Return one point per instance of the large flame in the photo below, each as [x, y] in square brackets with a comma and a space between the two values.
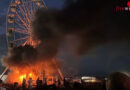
[41, 70]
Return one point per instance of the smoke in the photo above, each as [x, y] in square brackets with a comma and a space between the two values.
[22, 55]
[94, 23]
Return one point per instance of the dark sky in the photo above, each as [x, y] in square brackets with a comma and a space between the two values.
[103, 60]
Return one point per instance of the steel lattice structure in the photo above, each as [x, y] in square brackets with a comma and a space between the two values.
[18, 24]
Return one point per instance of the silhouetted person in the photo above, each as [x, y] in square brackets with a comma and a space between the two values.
[37, 81]
[77, 86]
[118, 81]
[45, 81]
[66, 83]
[30, 81]
[24, 84]
[39, 84]
[16, 87]
[59, 82]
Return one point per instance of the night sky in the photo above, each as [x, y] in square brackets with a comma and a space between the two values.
[107, 58]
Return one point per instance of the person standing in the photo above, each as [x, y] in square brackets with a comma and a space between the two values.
[30, 81]
[24, 84]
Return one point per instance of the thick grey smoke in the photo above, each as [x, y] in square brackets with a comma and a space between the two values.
[20, 56]
[92, 22]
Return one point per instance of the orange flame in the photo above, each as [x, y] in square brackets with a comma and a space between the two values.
[46, 69]
[22, 77]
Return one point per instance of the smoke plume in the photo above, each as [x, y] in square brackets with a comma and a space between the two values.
[20, 56]
[93, 22]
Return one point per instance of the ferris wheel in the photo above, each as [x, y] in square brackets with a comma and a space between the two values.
[18, 23]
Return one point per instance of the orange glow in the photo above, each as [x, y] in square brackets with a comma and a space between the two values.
[30, 75]
[41, 69]
[22, 77]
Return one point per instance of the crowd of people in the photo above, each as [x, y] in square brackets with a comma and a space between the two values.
[58, 85]
[115, 81]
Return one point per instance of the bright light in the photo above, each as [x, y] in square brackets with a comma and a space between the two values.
[30, 75]
[22, 77]
[89, 79]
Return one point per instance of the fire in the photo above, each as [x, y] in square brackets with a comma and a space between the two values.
[41, 70]
[30, 75]
[22, 77]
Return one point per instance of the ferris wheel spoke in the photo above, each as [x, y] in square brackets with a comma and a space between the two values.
[44, 4]
[31, 12]
[29, 9]
[28, 15]
[23, 5]
[20, 25]
[16, 40]
[23, 13]
[20, 18]
[25, 9]
[33, 7]
[25, 43]
[24, 23]
[21, 31]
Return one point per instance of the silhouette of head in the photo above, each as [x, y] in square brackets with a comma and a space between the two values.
[118, 81]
